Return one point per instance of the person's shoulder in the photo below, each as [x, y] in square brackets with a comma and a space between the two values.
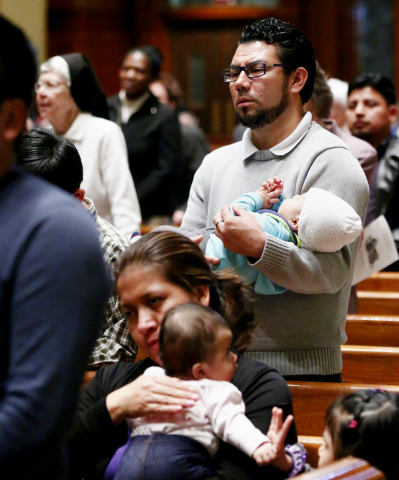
[253, 377]
[393, 146]
[325, 139]
[109, 235]
[358, 146]
[119, 374]
[113, 101]
[100, 125]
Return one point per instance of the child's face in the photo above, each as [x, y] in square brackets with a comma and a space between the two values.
[223, 363]
[291, 208]
[326, 451]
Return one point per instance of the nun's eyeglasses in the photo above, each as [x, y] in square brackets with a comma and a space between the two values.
[49, 85]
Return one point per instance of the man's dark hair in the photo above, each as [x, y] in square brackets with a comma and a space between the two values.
[293, 47]
[51, 157]
[322, 96]
[188, 334]
[17, 64]
[154, 57]
[378, 82]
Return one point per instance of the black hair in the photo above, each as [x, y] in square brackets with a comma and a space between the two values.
[365, 424]
[52, 157]
[378, 82]
[293, 47]
[154, 57]
[182, 263]
[188, 336]
[17, 64]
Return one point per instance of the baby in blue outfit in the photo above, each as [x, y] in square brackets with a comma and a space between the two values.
[317, 220]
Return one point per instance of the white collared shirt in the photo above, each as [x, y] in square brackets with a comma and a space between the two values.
[283, 147]
[130, 107]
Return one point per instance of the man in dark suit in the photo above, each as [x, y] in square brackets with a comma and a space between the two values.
[151, 131]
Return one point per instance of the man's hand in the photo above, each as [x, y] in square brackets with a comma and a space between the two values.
[241, 234]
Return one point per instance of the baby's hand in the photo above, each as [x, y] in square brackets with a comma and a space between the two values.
[265, 454]
[270, 191]
[277, 434]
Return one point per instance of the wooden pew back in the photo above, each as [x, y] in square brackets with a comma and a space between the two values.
[372, 330]
[370, 365]
[348, 468]
[312, 399]
[378, 303]
[381, 282]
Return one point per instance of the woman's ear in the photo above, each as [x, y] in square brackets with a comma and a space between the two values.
[203, 295]
[197, 371]
[299, 78]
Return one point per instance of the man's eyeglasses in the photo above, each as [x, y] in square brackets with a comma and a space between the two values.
[48, 85]
[252, 70]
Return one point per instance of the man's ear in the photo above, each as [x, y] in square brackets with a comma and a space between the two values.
[13, 112]
[197, 371]
[203, 295]
[298, 79]
[393, 113]
[79, 194]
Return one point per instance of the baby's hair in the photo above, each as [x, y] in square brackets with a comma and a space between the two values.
[365, 424]
[187, 336]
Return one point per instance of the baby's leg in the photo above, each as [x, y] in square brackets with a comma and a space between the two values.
[165, 457]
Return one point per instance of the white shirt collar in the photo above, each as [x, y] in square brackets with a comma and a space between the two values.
[129, 107]
[283, 147]
[77, 129]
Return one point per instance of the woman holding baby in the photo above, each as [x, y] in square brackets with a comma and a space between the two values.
[155, 274]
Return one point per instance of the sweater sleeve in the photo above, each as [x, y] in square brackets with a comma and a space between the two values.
[227, 415]
[114, 165]
[324, 272]
[59, 289]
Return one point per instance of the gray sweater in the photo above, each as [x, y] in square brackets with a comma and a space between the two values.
[300, 331]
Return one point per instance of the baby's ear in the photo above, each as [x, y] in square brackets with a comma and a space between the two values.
[197, 371]
[294, 222]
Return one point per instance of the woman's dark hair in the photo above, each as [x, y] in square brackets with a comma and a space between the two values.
[182, 263]
[293, 47]
[365, 424]
[378, 82]
[49, 156]
[154, 57]
[188, 336]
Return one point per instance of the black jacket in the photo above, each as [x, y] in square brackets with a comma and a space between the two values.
[384, 189]
[153, 141]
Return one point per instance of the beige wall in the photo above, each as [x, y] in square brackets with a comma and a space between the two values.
[31, 16]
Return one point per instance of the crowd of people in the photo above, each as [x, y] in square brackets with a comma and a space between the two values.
[239, 297]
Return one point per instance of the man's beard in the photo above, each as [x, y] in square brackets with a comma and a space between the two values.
[267, 116]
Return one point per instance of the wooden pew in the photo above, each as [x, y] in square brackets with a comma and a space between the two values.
[372, 330]
[371, 365]
[381, 282]
[312, 445]
[312, 399]
[378, 303]
[348, 468]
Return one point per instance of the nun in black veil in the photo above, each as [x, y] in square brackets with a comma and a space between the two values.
[69, 96]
